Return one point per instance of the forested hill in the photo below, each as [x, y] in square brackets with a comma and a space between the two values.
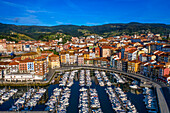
[39, 32]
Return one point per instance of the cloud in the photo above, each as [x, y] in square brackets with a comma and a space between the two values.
[27, 9]
[29, 20]
[89, 23]
[58, 22]
[12, 4]
[36, 11]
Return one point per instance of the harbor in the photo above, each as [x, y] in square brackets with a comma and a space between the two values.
[83, 91]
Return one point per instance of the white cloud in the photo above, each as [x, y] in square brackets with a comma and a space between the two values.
[29, 20]
[89, 23]
[37, 11]
[12, 4]
[58, 22]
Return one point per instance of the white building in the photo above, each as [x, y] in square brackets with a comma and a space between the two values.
[22, 77]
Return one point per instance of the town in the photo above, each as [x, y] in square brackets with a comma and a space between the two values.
[145, 54]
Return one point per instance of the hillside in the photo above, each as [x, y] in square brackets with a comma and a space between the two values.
[48, 33]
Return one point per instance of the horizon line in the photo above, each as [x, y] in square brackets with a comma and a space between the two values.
[84, 24]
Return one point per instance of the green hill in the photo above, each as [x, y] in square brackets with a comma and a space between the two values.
[48, 33]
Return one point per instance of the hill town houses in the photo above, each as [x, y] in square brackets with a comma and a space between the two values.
[146, 54]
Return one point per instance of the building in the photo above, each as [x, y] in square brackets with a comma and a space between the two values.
[23, 66]
[4, 64]
[30, 65]
[80, 60]
[2, 72]
[22, 77]
[106, 51]
[31, 55]
[86, 55]
[88, 62]
[41, 66]
[119, 64]
[13, 67]
[63, 57]
[124, 65]
[54, 61]
[133, 66]
[97, 52]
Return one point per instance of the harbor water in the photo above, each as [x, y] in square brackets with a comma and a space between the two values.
[135, 96]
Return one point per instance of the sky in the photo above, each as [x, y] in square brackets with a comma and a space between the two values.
[83, 12]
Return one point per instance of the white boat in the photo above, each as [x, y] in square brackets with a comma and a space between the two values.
[134, 86]
[1, 101]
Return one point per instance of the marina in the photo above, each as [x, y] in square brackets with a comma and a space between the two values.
[80, 91]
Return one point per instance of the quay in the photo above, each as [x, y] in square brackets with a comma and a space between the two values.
[158, 86]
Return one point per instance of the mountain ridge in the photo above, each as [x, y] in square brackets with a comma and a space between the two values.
[105, 30]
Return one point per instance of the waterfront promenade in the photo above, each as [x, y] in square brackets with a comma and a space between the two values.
[158, 86]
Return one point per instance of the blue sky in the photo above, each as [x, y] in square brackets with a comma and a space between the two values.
[83, 12]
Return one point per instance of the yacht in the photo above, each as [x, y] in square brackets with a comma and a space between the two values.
[134, 86]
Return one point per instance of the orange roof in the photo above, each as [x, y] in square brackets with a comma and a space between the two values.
[103, 40]
[29, 54]
[54, 55]
[105, 60]
[131, 51]
[81, 56]
[13, 63]
[2, 68]
[135, 61]
[26, 60]
[87, 59]
[17, 58]
[46, 52]
[4, 63]
[107, 47]
[40, 57]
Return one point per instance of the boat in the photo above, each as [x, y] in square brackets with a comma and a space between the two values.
[88, 79]
[82, 78]
[134, 86]
[113, 99]
[1, 101]
[99, 78]
[63, 80]
[35, 98]
[118, 78]
[64, 100]
[149, 100]
[107, 82]
[8, 94]
[94, 101]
